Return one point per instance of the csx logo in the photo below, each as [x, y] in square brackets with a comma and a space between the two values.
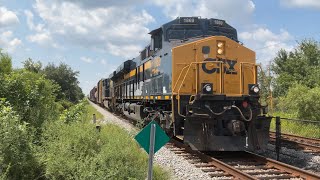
[228, 68]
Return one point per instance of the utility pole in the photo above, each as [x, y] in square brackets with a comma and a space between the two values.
[270, 89]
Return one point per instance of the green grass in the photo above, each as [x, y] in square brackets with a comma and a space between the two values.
[296, 128]
[91, 110]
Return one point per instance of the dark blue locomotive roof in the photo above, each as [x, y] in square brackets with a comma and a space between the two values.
[190, 27]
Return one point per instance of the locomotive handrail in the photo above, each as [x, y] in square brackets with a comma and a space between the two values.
[174, 87]
[184, 78]
[241, 74]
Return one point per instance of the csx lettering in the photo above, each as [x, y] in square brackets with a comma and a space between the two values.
[227, 70]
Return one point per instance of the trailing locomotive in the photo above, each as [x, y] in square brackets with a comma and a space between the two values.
[198, 82]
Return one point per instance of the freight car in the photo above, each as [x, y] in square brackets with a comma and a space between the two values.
[92, 95]
[198, 82]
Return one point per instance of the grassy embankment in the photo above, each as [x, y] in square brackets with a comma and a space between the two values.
[296, 128]
[87, 154]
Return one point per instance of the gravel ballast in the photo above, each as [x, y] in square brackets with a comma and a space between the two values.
[306, 161]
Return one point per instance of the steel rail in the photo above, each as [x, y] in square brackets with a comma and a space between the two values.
[285, 167]
[237, 174]
[305, 143]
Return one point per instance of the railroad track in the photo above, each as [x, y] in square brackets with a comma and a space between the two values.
[297, 142]
[238, 165]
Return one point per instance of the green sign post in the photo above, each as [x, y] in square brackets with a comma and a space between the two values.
[151, 139]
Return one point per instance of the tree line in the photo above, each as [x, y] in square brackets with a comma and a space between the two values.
[294, 79]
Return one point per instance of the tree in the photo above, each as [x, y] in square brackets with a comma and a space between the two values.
[302, 65]
[5, 63]
[302, 102]
[67, 79]
[31, 95]
[32, 66]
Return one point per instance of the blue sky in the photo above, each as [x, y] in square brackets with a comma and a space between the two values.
[95, 36]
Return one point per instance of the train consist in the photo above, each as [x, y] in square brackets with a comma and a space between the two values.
[197, 81]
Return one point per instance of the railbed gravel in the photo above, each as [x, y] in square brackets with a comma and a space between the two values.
[178, 167]
[300, 159]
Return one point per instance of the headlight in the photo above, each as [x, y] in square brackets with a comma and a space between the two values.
[220, 44]
[208, 88]
[253, 89]
[256, 89]
[220, 51]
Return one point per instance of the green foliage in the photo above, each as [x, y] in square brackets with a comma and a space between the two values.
[160, 174]
[264, 81]
[63, 75]
[67, 80]
[32, 66]
[75, 113]
[5, 63]
[16, 157]
[302, 102]
[31, 96]
[302, 66]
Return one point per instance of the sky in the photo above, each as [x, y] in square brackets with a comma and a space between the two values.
[95, 36]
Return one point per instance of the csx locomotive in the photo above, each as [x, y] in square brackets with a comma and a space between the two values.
[197, 81]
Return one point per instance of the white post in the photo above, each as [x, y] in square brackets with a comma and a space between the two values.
[151, 149]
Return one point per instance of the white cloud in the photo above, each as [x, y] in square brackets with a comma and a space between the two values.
[7, 18]
[102, 3]
[266, 43]
[86, 59]
[102, 28]
[301, 3]
[240, 10]
[103, 62]
[126, 51]
[42, 35]
[9, 43]
[41, 38]
[44, 39]
[30, 23]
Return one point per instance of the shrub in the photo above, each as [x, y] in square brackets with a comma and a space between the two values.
[31, 96]
[302, 102]
[16, 157]
[65, 104]
[75, 113]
